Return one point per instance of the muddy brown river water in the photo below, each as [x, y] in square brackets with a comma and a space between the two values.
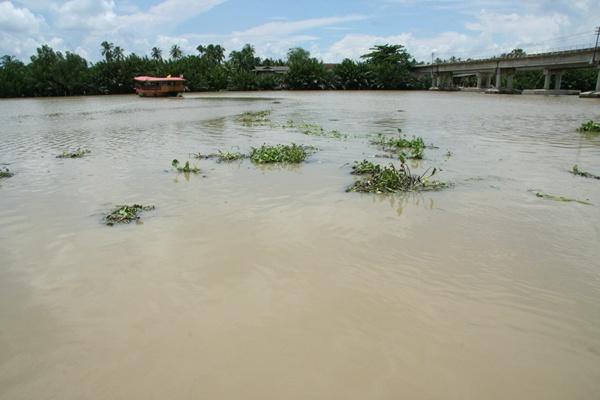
[252, 282]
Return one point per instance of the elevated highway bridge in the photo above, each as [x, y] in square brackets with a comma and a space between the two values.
[554, 64]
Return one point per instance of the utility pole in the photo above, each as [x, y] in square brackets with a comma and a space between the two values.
[596, 46]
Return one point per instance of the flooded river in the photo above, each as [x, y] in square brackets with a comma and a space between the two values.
[251, 282]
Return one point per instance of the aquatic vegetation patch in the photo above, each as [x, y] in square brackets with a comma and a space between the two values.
[125, 214]
[187, 169]
[292, 153]
[561, 198]
[222, 156]
[5, 173]
[365, 167]
[406, 147]
[79, 153]
[315, 130]
[230, 156]
[250, 118]
[389, 179]
[590, 127]
[576, 171]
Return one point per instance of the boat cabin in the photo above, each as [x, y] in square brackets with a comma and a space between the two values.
[153, 86]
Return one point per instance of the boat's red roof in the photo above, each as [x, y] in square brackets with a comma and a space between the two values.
[158, 79]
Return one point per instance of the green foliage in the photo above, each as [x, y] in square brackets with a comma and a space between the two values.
[589, 127]
[125, 214]
[576, 171]
[315, 130]
[186, 169]
[79, 153]
[352, 75]
[365, 167]
[305, 72]
[280, 153]
[390, 179]
[250, 118]
[5, 173]
[230, 156]
[52, 73]
[561, 198]
[415, 146]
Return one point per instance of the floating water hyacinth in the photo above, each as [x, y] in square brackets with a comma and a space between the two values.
[389, 179]
[186, 167]
[576, 171]
[589, 127]
[5, 173]
[125, 214]
[280, 153]
[79, 153]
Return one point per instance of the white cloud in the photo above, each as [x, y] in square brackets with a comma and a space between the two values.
[18, 20]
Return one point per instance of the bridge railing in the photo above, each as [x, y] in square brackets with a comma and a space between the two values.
[535, 53]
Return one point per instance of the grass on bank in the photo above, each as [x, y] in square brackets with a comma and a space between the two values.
[79, 153]
[125, 214]
[5, 173]
[280, 153]
[389, 179]
[576, 171]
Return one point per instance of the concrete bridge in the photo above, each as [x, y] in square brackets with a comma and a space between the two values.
[553, 64]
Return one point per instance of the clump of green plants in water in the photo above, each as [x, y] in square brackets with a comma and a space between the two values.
[5, 173]
[187, 169]
[407, 147]
[589, 127]
[222, 156]
[125, 214]
[315, 130]
[74, 154]
[230, 156]
[365, 167]
[576, 171]
[250, 118]
[280, 153]
[389, 179]
[561, 198]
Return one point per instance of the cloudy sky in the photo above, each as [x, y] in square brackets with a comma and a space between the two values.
[330, 29]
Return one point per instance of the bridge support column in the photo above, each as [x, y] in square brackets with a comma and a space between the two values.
[479, 80]
[488, 81]
[598, 81]
[547, 77]
[498, 78]
[509, 79]
[557, 79]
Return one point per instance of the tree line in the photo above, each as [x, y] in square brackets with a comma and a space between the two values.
[53, 73]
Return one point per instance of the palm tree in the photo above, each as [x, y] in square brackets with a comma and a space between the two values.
[118, 53]
[107, 50]
[156, 53]
[214, 54]
[176, 52]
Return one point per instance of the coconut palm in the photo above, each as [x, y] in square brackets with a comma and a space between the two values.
[156, 53]
[176, 52]
[118, 53]
[107, 50]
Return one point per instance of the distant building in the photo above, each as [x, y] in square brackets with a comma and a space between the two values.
[271, 70]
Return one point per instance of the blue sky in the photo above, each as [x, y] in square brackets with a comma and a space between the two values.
[331, 30]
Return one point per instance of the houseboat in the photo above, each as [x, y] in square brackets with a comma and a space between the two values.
[152, 86]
